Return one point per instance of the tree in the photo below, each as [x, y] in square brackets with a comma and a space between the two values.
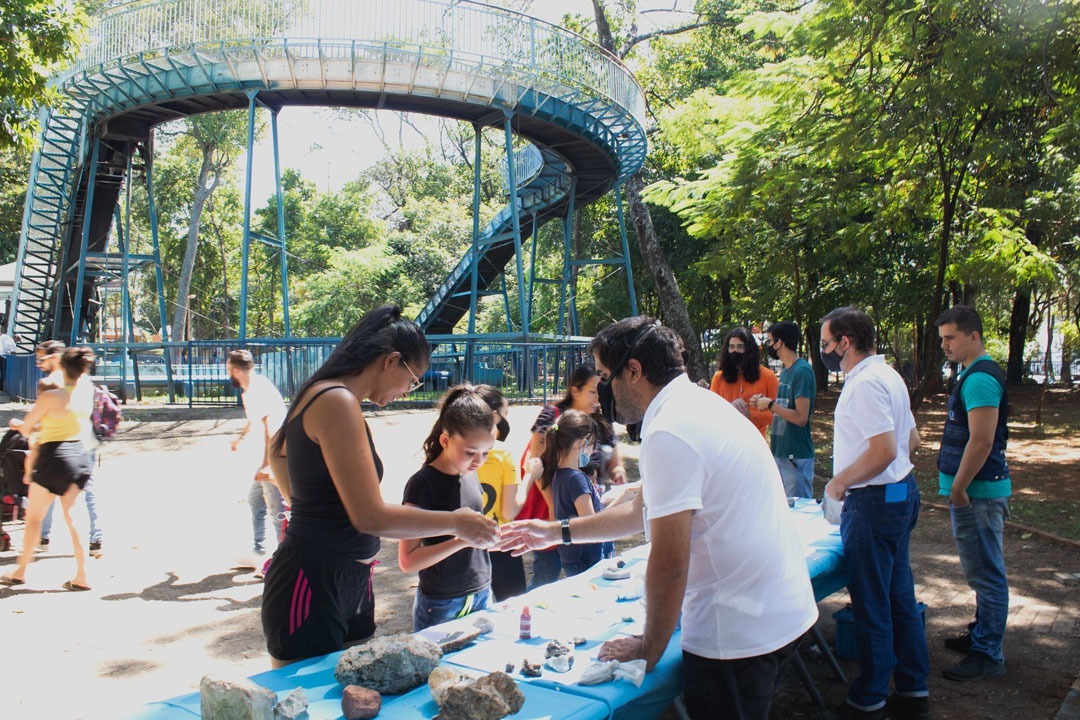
[36, 38]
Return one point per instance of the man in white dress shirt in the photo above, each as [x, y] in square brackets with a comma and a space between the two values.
[872, 474]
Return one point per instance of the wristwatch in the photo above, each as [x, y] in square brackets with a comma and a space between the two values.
[566, 531]
[771, 403]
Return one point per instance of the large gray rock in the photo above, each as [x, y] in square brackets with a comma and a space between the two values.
[292, 707]
[223, 699]
[391, 665]
[490, 697]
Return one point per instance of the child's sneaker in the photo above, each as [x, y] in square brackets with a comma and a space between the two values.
[43, 545]
[95, 549]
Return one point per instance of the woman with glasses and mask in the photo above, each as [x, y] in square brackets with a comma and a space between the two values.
[741, 376]
[318, 595]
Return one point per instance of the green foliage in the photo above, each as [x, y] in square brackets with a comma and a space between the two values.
[36, 38]
[14, 167]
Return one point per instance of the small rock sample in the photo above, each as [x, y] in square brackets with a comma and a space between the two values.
[292, 707]
[440, 679]
[222, 699]
[483, 624]
[556, 648]
[456, 641]
[529, 669]
[615, 573]
[392, 665]
[491, 697]
[360, 703]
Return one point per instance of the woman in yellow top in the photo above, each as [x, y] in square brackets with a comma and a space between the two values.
[63, 465]
[741, 376]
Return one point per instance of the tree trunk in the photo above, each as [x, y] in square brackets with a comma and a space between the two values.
[672, 304]
[202, 192]
[725, 301]
[1018, 328]
[1066, 361]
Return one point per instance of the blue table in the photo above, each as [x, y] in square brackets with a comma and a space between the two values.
[584, 606]
[316, 676]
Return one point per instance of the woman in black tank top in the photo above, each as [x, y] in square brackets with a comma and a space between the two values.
[317, 597]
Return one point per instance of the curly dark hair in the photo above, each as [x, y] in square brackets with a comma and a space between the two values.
[751, 365]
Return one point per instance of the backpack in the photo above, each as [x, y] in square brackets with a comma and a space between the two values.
[107, 415]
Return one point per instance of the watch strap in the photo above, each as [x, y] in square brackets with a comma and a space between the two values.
[565, 531]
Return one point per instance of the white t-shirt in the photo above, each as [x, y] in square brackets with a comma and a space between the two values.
[874, 401]
[7, 344]
[262, 400]
[748, 591]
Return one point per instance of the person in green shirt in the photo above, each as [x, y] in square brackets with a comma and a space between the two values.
[792, 445]
[974, 475]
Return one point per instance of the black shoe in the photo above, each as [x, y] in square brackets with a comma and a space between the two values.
[42, 546]
[975, 666]
[960, 644]
[908, 708]
[847, 711]
[95, 549]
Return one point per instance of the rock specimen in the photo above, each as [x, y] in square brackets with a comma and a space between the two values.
[456, 641]
[360, 703]
[529, 669]
[392, 665]
[292, 707]
[463, 698]
[223, 699]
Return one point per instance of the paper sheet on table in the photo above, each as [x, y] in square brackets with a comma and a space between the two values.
[495, 654]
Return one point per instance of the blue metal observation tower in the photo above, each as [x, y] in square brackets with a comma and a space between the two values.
[148, 62]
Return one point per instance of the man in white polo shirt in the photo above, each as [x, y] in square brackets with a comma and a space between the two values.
[723, 551]
[872, 475]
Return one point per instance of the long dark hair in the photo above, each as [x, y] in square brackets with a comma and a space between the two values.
[571, 426]
[751, 365]
[76, 362]
[380, 332]
[583, 374]
[461, 410]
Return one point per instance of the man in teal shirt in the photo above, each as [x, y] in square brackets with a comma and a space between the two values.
[792, 445]
[974, 474]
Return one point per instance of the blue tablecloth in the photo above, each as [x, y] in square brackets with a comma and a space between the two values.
[316, 676]
[586, 606]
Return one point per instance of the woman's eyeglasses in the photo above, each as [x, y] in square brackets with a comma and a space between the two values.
[416, 383]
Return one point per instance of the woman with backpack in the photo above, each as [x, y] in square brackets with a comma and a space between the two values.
[63, 466]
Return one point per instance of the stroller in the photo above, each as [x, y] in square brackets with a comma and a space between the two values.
[13, 451]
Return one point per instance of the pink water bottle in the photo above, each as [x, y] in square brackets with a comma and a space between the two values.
[526, 624]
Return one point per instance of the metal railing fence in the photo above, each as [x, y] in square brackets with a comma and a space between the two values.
[504, 42]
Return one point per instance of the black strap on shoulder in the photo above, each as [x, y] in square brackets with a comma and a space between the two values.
[315, 397]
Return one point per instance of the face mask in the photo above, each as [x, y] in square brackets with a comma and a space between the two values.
[771, 351]
[583, 459]
[502, 429]
[832, 360]
[235, 383]
[736, 357]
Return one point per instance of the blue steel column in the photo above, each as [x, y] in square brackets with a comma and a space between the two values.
[76, 313]
[152, 209]
[626, 251]
[568, 238]
[281, 228]
[474, 281]
[127, 321]
[281, 242]
[247, 214]
[515, 212]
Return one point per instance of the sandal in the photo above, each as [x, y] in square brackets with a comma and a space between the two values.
[11, 581]
[75, 588]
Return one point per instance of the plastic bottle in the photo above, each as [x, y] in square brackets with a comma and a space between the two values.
[526, 624]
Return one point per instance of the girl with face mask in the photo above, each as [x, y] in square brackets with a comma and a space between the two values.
[741, 376]
[567, 453]
[455, 577]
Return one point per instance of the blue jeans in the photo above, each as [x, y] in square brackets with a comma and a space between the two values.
[798, 476]
[428, 611]
[875, 527]
[264, 497]
[978, 529]
[91, 509]
[546, 566]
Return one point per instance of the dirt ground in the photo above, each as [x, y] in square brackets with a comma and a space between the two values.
[168, 604]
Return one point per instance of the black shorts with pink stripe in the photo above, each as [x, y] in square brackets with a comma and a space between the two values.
[315, 602]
